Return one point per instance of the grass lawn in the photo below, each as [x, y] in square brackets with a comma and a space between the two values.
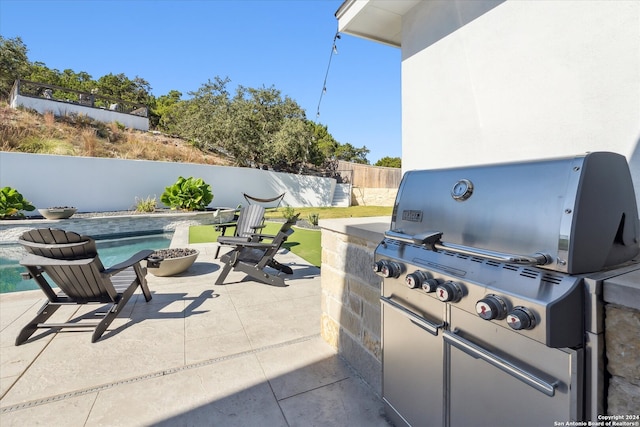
[329, 212]
[303, 242]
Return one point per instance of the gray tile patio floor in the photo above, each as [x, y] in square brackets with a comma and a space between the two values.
[240, 354]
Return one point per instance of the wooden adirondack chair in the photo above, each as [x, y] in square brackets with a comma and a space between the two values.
[250, 223]
[254, 256]
[71, 262]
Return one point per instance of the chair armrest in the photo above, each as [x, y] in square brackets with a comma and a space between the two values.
[264, 236]
[256, 245]
[31, 260]
[136, 258]
[232, 240]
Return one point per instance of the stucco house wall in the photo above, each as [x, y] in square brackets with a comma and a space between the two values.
[491, 81]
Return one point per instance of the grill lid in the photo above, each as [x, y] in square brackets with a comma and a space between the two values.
[573, 215]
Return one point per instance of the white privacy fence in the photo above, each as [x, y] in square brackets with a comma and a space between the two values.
[100, 184]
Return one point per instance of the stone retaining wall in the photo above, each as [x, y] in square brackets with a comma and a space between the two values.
[361, 196]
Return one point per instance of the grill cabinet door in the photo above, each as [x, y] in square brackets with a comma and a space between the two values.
[412, 377]
[483, 394]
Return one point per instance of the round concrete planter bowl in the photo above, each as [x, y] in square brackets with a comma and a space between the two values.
[57, 213]
[175, 261]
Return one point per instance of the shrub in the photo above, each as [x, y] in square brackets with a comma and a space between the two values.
[187, 194]
[288, 213]
[313, 218]
[146, 205]
[12, 202]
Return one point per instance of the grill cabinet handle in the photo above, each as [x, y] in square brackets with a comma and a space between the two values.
[424, 324]
[432, 241]
[478, 352]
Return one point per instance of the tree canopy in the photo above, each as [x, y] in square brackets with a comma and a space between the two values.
[258, 127]
[389, 162]
[14, 63]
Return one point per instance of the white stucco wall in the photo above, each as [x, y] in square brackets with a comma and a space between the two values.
[59, 108]
[99, 184]
[493, 81]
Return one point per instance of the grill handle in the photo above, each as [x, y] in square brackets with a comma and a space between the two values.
[432, 241]
[478, 352]
[432, 328]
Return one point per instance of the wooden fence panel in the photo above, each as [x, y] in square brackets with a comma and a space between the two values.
[367, 176]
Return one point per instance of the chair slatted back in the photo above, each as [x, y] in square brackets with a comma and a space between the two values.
[250, 216]
[80, 277]
[83, 282]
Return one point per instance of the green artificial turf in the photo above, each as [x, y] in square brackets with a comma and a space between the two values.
[303, 242]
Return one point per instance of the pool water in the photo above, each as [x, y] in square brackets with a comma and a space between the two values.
[111, 251]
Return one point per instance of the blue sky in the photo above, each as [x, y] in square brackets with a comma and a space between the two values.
[179, 45]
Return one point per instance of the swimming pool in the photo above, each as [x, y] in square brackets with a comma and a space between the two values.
[111, 251]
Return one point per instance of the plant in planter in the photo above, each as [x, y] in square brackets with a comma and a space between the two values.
[12, 202]
[58, 212]
[146, 205]
[187, 194]
[174, 261]
[314, 218]
[288, 213]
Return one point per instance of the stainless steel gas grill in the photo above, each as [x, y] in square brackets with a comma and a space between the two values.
[490, 294]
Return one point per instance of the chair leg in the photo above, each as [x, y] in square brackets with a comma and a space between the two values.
[260, 275]
[280, 267]
[230, 260]
[113, 312]
[223, 274]
[43, 314]
[142, 278]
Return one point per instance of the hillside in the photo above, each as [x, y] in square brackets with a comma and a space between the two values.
[30, 132]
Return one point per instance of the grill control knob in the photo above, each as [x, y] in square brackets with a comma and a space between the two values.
[449, 291]
[430, 285]
[377, 266]
[416, 279]
[521, 318]
[491, 307]
[391, 269]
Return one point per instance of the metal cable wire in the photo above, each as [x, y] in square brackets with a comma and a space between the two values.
[334, 51]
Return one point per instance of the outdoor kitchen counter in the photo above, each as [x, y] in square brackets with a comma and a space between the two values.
[350, 295]
[624, 290]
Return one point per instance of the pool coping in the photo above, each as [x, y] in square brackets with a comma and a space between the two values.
[98, 226]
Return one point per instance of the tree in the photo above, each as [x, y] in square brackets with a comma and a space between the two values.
[39, 72]
[243, 126]
[349, 153]
[389, 162]
[292, 145]
[325, 145]
[161, 114]
[14, 63]
[120, 86]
